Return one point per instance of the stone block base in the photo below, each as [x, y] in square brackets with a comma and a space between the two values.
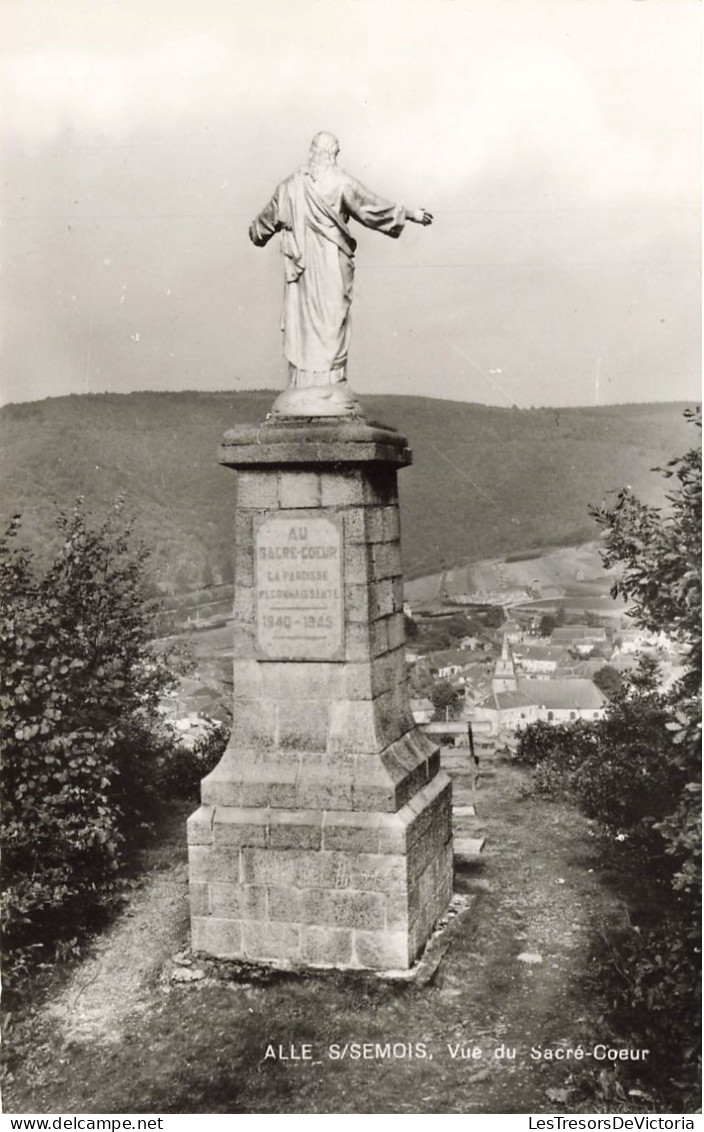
[321, 887]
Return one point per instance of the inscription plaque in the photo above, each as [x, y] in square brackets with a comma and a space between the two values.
[299, 587]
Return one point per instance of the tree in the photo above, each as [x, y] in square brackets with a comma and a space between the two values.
[638, 772]
[607, 680]
[411, 627]
[660, 558]
[660, 555]
[548, 622]
[81, 735]
[443, 696]
[494, 617]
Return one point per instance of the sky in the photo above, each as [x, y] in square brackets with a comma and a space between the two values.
[557, 143]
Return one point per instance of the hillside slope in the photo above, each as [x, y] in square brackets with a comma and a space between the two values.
[485, 481]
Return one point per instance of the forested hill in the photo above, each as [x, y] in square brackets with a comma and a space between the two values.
[485, 481]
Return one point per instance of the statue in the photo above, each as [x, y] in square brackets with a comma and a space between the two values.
[311, 209]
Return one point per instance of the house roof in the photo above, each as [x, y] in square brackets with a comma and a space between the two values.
[567, 694]
[447, 656]
[422, 704]
[577, 633]
[502, 700]
[540, 652]
[559, 695]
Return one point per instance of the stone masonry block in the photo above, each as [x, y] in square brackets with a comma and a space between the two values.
[357, 642]
[326, 946]
[388, 671]
[238, 826]
[299, 489]
[399, 909]
[200, 826]
[239, 902]
[316, 789]
[244, 530]
[254, 722]
[223, 938]
[244, 604]
[392, 523]
[375, 524]
[275, 766]
[303, 725]
[358, 565]
[397, 584]
[355, 525]
[258, 489]
[286, 904]
[396, 629]
[341, 488]
[382, 950]
[357, 603]
[253, 794]
[357, 682]
[379, 637]
[394, 717]
[350, 836]
[346, 909]
[377, 872]
[221, 791]
[244, 565]
[283, 795]
[386, 559]
[247, 679]
[393, 834]
[198, 932]
[290, 830]
[301, 681]
[383, 603]
[298, 868]
[243, 640]
[206, 864]
[199, 897]
[352, 726]
[269, 940]
[380, 487]
[373, 796]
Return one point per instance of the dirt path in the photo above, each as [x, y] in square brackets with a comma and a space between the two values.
[118, 979]
[122, 1037]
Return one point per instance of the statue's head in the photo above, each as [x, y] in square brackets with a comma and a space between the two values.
[324, 146]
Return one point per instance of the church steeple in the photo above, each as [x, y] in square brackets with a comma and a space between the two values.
[504, 678]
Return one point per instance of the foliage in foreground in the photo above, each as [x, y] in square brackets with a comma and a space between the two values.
[638, 772]
[86, 754]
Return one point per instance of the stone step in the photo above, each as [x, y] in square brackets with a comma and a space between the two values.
[468, 848]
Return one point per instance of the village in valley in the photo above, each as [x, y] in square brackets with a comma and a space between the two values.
[550, 648]
[537, 637]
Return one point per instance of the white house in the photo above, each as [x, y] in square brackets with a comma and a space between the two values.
[515, 701]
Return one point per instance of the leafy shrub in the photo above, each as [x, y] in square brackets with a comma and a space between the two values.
[79, 689]
[179, 769]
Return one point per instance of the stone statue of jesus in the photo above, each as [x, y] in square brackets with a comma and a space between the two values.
[311, 209]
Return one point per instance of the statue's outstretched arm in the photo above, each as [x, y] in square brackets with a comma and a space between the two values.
[266, 224]
[419, 216]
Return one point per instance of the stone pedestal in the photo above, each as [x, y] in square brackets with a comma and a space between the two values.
[324, 834]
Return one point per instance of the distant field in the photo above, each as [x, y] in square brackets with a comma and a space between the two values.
[574, 571]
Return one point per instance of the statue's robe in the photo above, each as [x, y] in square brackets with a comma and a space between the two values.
[312, 212]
